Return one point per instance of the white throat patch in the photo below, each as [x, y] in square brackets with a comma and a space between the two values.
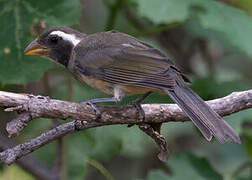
[67, 37]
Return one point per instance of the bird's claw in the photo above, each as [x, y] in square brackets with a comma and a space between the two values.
[94, 107]
[140, 110]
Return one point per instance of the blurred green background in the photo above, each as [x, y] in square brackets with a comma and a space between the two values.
[211, 41]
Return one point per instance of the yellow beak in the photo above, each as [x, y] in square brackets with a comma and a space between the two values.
[35, 49]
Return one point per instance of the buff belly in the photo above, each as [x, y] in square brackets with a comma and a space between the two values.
[108, 88]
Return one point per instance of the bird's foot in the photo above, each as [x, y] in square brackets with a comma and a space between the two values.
[137, 104]
[94, 107]
[92, 102]
[141, 113]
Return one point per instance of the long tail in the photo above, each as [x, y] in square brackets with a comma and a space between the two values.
[209, 122]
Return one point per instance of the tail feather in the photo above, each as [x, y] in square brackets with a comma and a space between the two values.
[209, 122]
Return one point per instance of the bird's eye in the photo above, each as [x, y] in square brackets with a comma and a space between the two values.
[54, 39]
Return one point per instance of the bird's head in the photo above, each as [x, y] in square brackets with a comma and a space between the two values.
[55, 44]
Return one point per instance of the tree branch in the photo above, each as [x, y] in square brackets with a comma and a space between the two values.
[32, 165]
[158, 138]
[39, 106]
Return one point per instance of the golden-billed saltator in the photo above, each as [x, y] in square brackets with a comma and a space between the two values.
[121, 65]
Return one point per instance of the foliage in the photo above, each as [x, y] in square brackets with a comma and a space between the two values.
[17, 18]
[127, 153]
[211, 16]
[15, 173]
[189, 166]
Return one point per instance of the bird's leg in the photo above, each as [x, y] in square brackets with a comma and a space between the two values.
[92, 102]
[118, 96]
[137, 104]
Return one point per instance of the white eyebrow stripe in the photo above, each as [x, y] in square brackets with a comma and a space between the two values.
[68, 37]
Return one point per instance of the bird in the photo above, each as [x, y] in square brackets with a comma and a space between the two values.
[120, 65]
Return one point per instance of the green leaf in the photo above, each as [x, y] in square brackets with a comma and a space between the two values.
[157, 174]
[193, 168]
[202, 166]
[248, 178]
[244, 4]
[108, 142]
[17, 17]
[164, 11]
[15, 173]
[229, 21]
[214, 16]
[186, 165]
[136, 144]
[224, 158]
[236, 120]
[79, 147]
[247, 134]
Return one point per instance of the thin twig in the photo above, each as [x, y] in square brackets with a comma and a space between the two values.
[29, 163]
[11, 155]
[18, 124]
[100, 168]
[159, 139]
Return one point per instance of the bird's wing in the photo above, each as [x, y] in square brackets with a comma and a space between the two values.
[125, 61]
